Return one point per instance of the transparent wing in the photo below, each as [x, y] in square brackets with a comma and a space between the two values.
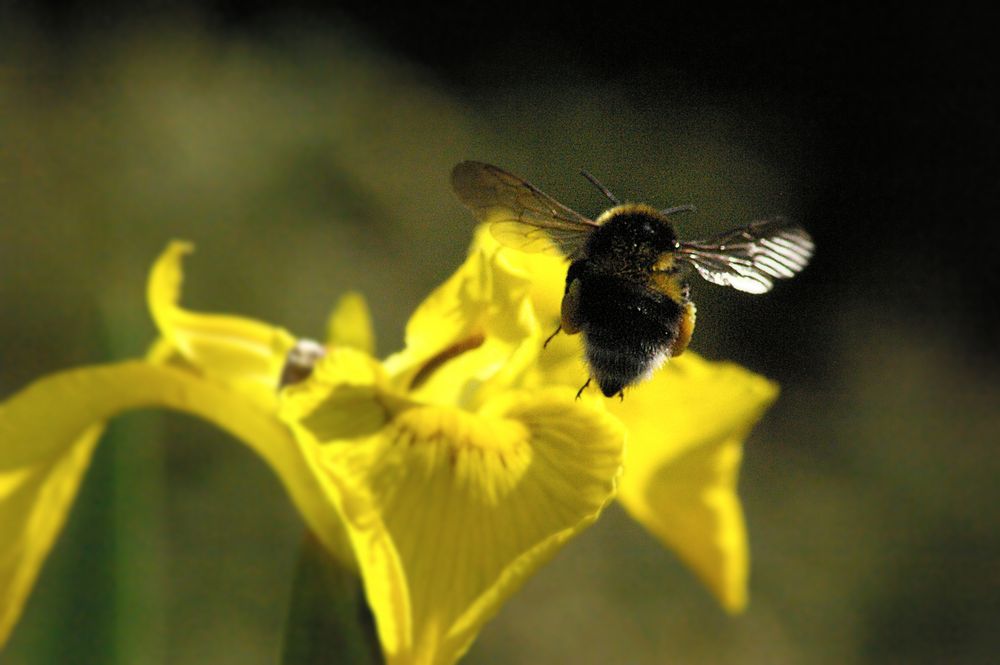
[752, 257]
[519, 214]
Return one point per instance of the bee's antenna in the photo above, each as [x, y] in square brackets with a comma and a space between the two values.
[604, 190]
[687, 207]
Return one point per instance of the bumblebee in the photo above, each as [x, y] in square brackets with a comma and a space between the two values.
[626, 287]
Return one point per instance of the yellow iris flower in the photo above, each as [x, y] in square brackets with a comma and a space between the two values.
[446, 474]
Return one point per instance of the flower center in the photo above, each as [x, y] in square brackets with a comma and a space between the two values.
[485, 455]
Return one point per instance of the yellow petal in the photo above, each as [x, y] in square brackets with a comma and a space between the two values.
[343, 398]
[547, 274]
[247, 355]
[473, 336]
[441, 321]
[560, 362]
[450, 511]
[35, 497]
[350, 324]
[686, 430]
[47, 434]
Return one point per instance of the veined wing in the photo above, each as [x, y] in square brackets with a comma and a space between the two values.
[752, 257]
[519, 214]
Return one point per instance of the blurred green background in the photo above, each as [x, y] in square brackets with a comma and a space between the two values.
[306, 148]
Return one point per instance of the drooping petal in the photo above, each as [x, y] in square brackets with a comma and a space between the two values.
[449, 511]
[350, 324]
[686, 430]
[47, 434]
[35, 497]
[248, 355]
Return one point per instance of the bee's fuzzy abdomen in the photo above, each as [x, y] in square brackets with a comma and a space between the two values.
[628, 330]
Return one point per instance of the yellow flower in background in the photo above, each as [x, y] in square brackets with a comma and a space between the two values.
[446, 474]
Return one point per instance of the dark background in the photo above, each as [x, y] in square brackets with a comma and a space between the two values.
[870, 488]
[888, 114]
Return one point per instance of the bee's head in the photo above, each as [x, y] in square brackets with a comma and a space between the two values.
[639, 233]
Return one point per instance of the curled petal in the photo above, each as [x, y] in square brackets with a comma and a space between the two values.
[683, 464]
[450, 511]
[248, 355]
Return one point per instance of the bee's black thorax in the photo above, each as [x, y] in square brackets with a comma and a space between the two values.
[630, 241]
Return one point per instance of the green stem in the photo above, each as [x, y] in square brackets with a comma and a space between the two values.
[328, 618]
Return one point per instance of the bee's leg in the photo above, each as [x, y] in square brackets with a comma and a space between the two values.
[684, 329]
[621, 395]
[684, 208]
[582, 388]
[571, 320]
[549, 338]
